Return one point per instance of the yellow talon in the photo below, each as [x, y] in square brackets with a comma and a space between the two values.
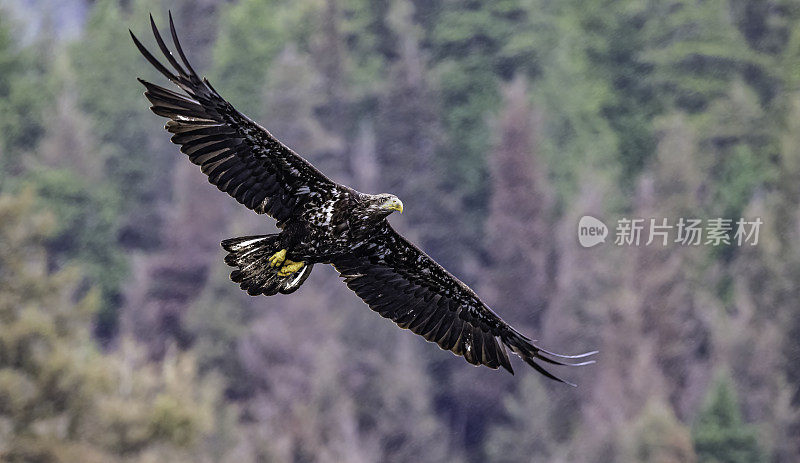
[277, 259]
[289, 267]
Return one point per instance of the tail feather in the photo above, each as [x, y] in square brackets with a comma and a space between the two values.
[250, 255]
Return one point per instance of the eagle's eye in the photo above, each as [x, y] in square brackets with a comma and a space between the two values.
[393, 203]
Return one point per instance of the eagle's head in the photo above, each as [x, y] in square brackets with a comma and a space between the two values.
[383, 204]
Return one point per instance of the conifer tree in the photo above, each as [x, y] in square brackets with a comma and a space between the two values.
[520, 281]
[106, 65]
[64, 400]
[474, 46]
[24, 93]
[525, 433]
[251, 35]
[70, 179]
[719, 432]
[408, 135]
[657, 436]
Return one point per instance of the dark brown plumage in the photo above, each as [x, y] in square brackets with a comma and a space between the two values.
[325, 222]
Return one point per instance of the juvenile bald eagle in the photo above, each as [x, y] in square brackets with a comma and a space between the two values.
[322, 221]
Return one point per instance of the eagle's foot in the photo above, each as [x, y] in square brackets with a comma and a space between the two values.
[289, 267]
[276, 260]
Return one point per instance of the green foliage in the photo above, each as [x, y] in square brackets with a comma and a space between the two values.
[670, 108]
[612, 41]
[24, 92]
[219, 319]
[105, 67]
[64, 400]
[475, 44]
[696, 51]
[86, 232]
[658, 436]
[740, 146]
[719, 432]
[767, 27]
[497, 33]
[368, 33]
[574, 97]
[527, 409]
[251, 34]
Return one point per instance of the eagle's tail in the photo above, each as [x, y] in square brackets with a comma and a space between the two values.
[250, 255]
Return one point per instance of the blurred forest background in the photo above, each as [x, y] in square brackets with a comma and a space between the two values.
[499, 124]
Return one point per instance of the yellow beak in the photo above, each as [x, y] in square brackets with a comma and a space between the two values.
[395, 205]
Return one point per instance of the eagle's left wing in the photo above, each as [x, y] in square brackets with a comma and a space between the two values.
[402, 283]
[239, 156]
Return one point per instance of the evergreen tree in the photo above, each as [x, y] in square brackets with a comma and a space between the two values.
[525, 433]
[577, 139]
[48, 373]
[106, 65]
[397, 384]
[657, 436]
[63, 400]
[668, 277]
[293, 93]
[520, 282]
[475, 45]
[218, 321]
[24, 93]
[251, 35]
[612, 43]
[408, 136]
[767, 27]
[719, 432]
[785, 291]
[69, 177]
[372, 40]
[739, 148]
[696, 51]
[165, 283]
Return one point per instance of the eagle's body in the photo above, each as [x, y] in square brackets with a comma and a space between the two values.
[331, 227]
[322, 221]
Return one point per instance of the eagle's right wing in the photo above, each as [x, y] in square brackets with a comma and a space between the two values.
[402, 283]
[239, 156]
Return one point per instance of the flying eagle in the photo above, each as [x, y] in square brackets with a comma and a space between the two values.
[324, 222]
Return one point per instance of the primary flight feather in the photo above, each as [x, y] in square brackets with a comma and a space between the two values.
[322, 221]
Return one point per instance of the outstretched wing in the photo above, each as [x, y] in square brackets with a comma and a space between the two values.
[239, 156]
[402, 283]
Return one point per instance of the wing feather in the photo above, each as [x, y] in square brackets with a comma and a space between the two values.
[402, 283]
[240, 157]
